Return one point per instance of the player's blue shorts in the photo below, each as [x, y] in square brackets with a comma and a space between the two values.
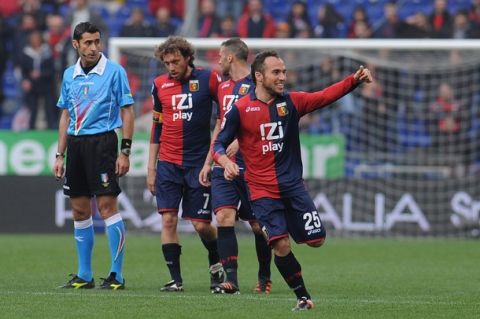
[231, 194]
[176, 183]
[296, 216]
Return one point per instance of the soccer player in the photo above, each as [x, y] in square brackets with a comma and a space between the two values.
[265, 123]
[180, 141]
[226, 195]
[95, 100]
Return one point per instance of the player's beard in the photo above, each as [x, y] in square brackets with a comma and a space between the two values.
[270, 89]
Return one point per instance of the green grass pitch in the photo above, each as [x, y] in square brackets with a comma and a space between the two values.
[348, 278]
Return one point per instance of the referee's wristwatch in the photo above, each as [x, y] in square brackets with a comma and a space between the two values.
[58, 154]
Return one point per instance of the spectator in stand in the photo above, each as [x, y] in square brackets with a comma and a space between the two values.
[56, 34]
[474, 13]
[392, 26]
[283, 30]
[233, 8]
[82, 12]
[440, 20]
[360, 25]
[163, 26]
[227, 28]
[9, 8]
[176, 8]
[208, 22]
[330, 22]
[255, 23]
[462, 27]
[4, 39]
[300, 26]
[137, 26]
[33, 8]
[27, 25]
[56, 4]
[419, 26]
[38, 79]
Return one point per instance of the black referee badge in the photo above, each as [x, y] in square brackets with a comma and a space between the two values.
[104, 179]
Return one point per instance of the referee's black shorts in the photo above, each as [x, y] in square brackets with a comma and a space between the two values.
[90, 168]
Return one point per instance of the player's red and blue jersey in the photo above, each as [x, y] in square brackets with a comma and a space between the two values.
[228, 93]
[268, 137]
[94, 100]
[181, 116]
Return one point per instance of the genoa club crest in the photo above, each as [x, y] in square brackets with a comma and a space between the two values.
[194, 85]
[244, 89]
[282, 109]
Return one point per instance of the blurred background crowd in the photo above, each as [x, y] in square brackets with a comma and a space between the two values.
[35, 35]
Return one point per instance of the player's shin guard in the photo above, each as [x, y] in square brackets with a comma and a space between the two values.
[211, 246]
[116, 242]
[84, 237]
[291, 271]
[228, 251]
[264, 256]
[171, 253]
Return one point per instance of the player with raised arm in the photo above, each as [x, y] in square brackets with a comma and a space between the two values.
[265, 123]
[226, 195]
[179, 145]
[95, 100]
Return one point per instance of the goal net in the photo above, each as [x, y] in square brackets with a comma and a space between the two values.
[398, 157]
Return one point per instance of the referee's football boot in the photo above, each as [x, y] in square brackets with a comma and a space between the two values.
[226, 287]
[217, 275]
[303, 304]
[78, 283]
[263, 286]
[172, 286]
[112, 283]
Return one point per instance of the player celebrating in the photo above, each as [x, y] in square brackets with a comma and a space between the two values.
[95, 100]
[179, 145]
[226, 195]
[265, 122]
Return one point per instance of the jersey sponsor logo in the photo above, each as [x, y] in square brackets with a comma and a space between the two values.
[271, 132]
[228, 101]
[282, 109]
[167, 85]
[225, 85]
[244, 89]
[193, 85]
[182, 102]
[252, 109]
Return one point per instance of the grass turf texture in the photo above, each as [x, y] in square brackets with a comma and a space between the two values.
[348, 278]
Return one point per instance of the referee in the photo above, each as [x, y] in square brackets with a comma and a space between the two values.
[95, 100]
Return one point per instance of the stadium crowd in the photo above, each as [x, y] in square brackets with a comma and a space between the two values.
[35, 49]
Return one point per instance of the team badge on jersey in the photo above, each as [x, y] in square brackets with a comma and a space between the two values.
[104, 179]
[244, 89]
[193, 85]
[157, 117]
[282, 109]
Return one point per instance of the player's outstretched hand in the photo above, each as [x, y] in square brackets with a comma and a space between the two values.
[204, 176]
[231, 171]
[363, 75]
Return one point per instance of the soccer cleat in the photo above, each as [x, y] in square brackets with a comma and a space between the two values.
[264, 285]
[112, 283]
[217, 275]
[78, 283]
[172, 286]
[226, 288]
[303, 304]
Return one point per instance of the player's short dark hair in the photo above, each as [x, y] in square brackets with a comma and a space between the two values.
[258, 62]
[176, 44]
[237, 47]
[84, 27]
